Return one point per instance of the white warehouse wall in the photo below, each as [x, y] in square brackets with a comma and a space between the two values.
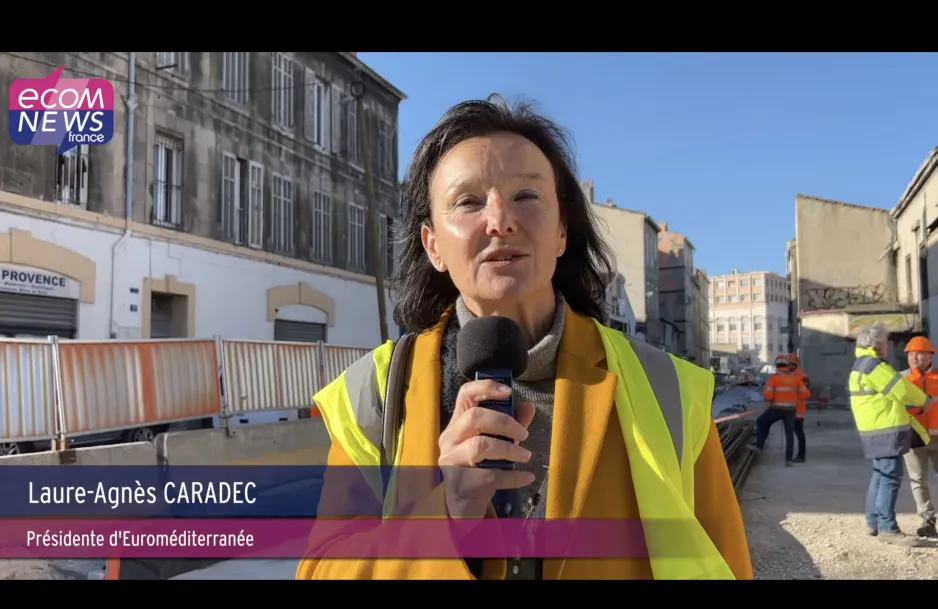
[231, 290]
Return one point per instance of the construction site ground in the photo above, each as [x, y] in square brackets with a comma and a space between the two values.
[803, 522]
[807, 521]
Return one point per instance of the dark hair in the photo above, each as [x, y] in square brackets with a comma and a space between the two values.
[584, 269]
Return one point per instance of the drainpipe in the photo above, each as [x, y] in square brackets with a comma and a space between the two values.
[922, 285]
[131, 103]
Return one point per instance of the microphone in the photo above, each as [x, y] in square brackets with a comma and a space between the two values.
[493, 348]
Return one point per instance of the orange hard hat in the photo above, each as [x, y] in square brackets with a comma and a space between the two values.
[781, 361]
[793, 358]
[920, 343]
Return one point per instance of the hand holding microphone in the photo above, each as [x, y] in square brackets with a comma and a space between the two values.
[479, 447]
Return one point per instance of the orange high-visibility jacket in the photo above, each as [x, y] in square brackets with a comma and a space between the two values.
[590, 475]
[927, 382]
[802, 408]
[785, 390]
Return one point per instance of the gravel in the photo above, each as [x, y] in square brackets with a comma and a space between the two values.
[38, 568]
[807, 521]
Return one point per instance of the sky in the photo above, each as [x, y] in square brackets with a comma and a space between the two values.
[716, 144]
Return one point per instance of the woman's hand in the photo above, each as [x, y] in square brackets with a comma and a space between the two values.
[469, 489]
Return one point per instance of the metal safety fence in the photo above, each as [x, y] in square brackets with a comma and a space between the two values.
[60, 389]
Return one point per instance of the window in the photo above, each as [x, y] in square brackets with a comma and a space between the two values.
[281, 214]
[732, 297]
[242, 201]
[651, 299]
[720, 284]
[322, 244]
[757, 295]
[387, 238]
[730, 284]
[385, 155]
[167, 182]
[177, 63]
[318, 108]
[71, 177]
[771, 348]
[346, 140]
[908, 277]
[721, 299]
[234, 76]
[743, 283]
[281, 94]
[757, 323]
[744, 297]
[757, 282]
[356, 238]
[745, 324]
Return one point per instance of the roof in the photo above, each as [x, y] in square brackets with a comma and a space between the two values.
[648, 218]
[843, 203]
[921, 176]
[361, 65]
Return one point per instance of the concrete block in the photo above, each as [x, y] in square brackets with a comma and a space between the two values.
[299, 442]
[134, 453]
[44, 458]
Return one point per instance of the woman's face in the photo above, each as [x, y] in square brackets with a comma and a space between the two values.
[496, 220]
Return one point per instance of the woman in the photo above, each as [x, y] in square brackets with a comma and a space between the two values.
[498, 225]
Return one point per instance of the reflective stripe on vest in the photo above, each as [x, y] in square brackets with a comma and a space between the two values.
[882, 426]
[352, 407]
[663, 445]
[660, 441]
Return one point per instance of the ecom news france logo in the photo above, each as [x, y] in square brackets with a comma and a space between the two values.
[63, 112]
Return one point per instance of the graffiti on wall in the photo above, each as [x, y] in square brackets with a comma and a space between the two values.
[839, 298]
[896, 322]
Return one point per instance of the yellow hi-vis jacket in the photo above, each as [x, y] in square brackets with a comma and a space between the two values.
[664, 412]
[878, 397]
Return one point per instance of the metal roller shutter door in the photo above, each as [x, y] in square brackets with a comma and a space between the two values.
[299, 332]
[38, 315]
[161, 321]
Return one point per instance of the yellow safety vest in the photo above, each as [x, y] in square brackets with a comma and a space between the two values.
[878, 398]
[663, 443]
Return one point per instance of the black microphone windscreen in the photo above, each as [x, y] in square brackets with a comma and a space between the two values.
[486, 343]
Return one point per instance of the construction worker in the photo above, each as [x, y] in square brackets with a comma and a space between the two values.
[782, 391]
[878, 398]
[921, 352]
[801, 409]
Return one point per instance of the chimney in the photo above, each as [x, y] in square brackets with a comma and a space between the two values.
[664, 226]
[588, 190]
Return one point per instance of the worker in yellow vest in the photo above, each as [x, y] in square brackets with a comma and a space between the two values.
[605, 427]
[879, 399]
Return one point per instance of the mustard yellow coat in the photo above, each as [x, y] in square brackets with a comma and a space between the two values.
[589, 473]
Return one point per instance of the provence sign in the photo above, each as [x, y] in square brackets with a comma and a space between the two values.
[37, 282]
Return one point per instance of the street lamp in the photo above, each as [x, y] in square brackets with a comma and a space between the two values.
[357, 91]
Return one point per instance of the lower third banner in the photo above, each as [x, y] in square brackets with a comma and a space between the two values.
[325, 537]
